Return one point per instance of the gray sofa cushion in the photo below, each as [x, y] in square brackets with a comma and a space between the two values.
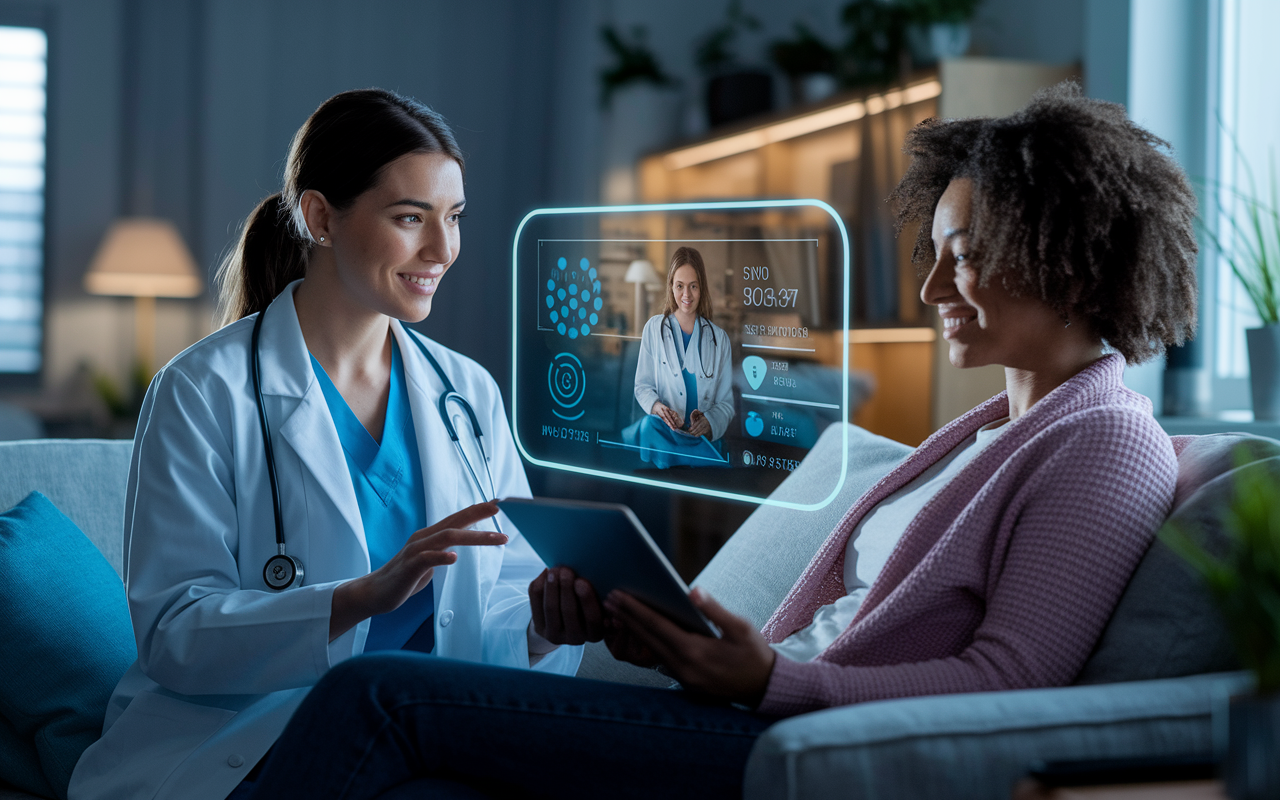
[84, 478]
[756, 568]
[1166, 625]
[976, 746]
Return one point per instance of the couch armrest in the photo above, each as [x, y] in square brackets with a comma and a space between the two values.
[979, 745]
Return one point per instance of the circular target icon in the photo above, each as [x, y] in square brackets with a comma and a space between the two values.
[567, 381]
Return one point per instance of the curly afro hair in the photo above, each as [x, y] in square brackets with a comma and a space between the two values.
[1073, 204]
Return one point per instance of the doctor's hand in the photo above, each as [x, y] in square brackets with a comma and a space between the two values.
[734, 667]
[565, 608]
[698, 425]
[666, 414]
[409, 570]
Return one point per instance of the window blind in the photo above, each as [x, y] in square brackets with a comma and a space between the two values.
[23, 73]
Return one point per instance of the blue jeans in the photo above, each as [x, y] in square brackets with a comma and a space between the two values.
[440, 728]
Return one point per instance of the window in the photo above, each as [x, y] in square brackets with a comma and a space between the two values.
[1247, 135]
[23, 70]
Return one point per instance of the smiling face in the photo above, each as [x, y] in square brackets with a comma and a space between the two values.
[984, 324]
[392, 246]
[685, 289]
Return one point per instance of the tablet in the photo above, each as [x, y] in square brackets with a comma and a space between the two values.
[605, 544]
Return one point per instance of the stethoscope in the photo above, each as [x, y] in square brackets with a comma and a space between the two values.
[705, 328]
[282, 570]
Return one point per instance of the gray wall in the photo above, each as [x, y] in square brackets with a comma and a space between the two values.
[184, 109]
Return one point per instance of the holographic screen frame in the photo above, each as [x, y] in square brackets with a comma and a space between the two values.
[678, 487]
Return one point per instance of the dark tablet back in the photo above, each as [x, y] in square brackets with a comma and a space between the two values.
[607, 545]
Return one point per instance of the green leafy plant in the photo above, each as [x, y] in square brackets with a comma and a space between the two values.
[633, 62]
[875, 49]
[716, 50]
[123, 403]
[1254, 256]
[1245, 582]
[805, 54]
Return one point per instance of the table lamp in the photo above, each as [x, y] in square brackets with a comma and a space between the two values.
[144, 259]
[643, 275]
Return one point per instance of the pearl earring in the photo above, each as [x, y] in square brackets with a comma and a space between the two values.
[322, 238]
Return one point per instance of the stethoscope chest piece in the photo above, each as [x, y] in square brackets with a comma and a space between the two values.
[282, 571]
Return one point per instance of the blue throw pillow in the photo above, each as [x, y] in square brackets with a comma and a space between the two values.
[67, 642]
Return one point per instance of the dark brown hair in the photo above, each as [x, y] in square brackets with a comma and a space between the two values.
[688, 256]
[1073, 204]
[340, 152]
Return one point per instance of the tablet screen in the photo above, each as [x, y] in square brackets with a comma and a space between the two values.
[698, 347]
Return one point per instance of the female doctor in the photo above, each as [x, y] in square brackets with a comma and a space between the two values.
[315, 379]
[684, 377]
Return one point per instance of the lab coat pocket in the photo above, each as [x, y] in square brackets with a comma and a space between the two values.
[156, 733]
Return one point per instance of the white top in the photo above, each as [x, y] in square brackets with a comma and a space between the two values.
[873, 541]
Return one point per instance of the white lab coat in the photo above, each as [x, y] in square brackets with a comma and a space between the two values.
[658, 371]
[222, 660]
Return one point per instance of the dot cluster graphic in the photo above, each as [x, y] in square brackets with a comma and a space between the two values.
[574, 308]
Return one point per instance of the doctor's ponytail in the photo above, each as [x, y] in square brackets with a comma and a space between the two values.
[339, 152]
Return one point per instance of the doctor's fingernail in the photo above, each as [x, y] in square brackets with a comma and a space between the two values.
[551, 576]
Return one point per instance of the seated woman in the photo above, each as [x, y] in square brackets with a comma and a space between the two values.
[684, 379]
[990, 559]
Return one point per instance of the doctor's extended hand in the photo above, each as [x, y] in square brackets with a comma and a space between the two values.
[409, 570]
[666, 414]
[734, 667]
[698, 424]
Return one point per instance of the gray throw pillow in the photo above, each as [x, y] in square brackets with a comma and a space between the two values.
[1166, 625]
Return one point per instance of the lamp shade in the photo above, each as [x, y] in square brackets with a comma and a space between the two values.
[642, 271]
[143, 257]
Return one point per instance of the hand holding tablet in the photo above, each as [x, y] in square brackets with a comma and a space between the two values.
[647, 615]
[607, 546]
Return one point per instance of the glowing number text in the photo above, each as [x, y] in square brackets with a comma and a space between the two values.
[769, 297]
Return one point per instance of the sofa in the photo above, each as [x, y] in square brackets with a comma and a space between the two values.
[1157, 684]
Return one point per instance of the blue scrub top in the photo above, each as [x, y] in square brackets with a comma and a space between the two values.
[388, 482]
[690, 380]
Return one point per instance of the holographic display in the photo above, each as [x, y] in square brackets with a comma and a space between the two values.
[700, 347]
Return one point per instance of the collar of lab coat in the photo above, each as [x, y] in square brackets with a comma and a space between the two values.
[309, 427]
[692, 360]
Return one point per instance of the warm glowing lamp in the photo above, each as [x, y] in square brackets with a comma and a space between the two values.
[643, 275]
[144, 259]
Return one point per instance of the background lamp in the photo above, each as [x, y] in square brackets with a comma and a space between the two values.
[144, 259]
[644, 276]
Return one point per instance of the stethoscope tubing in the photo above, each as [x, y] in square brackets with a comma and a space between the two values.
[447, 396]
[702, 335]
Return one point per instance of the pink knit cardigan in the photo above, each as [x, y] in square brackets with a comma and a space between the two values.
[1007, 577]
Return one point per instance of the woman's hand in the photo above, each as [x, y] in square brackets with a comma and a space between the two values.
[735, 667]
[698, 425]
[565, 608]
[666, 414]
[409, 570]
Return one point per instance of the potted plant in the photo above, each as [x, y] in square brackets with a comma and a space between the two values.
[874, 51]
[633, 63]
[1254, 258]
[641, 110]
[734, 90]
[939, 28]
[1245, 583]
[808, 62]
